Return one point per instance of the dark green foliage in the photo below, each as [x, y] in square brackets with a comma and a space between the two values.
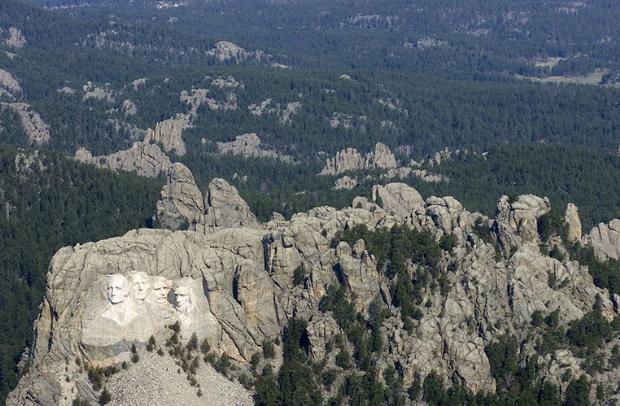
[504, 361]
[223, 364]
[268, 350]
[105, 397]
[176, 327]
[134, 354]
[266, 388]
[614, 359]
[95, 376]
[606, 275]
[537, 318]
[296, 381]
[62, 204]
[447, 242]
[299, 276]
[205, 347]
[577, 174]
[591, 331]
[192, 343]
[150, 346]
[552, 224]
[577, 393]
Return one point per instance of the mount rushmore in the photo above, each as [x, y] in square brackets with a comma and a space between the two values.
[233, 282]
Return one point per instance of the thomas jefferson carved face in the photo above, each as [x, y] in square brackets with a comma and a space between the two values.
[140, 285]
[161, 287]
[117, 288]
[183, 299]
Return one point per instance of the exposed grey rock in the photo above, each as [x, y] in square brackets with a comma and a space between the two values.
[225, 208]
[399, 199]
[136, 84]
[168, 133]
[605, 239]
[346, 182]
[227, 83]
[9, 86]
[144, 159]
[447, 213]
[92, 91]
[181, 200]
[37, 130]
[283, 112]
[228, 51]
[28, 162]
[232, 283]
[428, 42]
[66, 90]
[321, 329]
[350, 160]
[574, 223]
[516, 222]
[406, 171]
[15, 38]
[249, 145]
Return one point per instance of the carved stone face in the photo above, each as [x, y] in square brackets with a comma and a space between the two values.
[161, 287]
[117, 288]
[183, 299]
[140, 285]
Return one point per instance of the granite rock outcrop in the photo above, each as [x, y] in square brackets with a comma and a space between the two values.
[235, 282]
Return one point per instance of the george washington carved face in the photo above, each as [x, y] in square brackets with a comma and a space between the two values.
[117, 288]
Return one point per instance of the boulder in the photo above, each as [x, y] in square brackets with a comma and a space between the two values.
[225, 208]
[181, 200]
[398, 199]
[574, 223]
[605, 239]
[516, 222]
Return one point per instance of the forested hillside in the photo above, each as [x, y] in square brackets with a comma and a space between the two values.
[48, 202]
[527, 92]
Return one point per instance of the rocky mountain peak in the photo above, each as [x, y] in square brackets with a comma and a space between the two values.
[235, 283]
[516, 222]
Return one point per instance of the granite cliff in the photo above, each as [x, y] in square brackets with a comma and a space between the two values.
[234, 282]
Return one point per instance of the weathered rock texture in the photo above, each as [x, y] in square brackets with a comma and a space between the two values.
[182, 203]
[284, 112]
[350, 160]
[605, 239]
[9, 86]
[241, 276]
[15, 38]
[516, 223]
[249, 145]
[227, 51]
[144, 159]
[168, 133]
[346, 182]
[92, 91]
[573, 221]
[37, 130]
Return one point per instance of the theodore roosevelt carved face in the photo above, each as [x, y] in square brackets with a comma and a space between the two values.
[117, 288]
[161, 287]
[140, 285]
